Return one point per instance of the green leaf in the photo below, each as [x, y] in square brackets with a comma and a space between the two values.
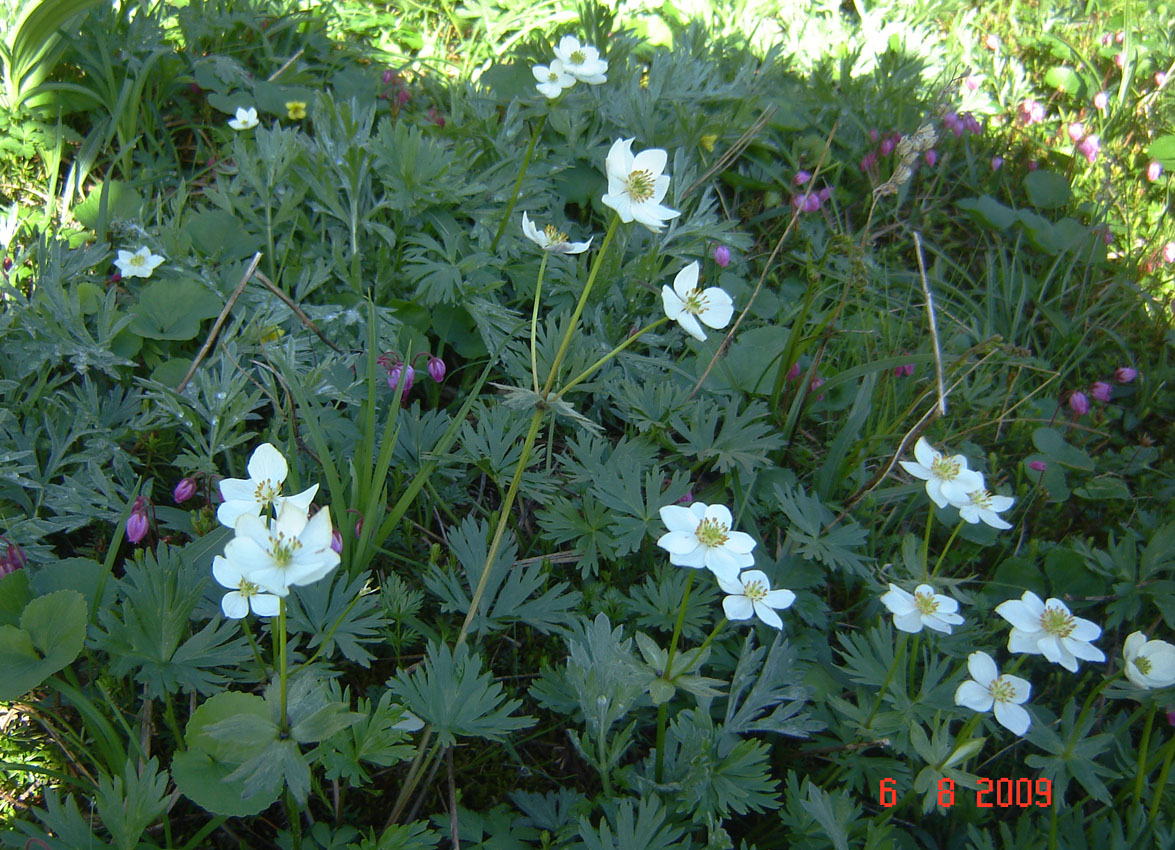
[1064, 79]
[221, 235]
[51, 634]
[224, 706]
[1052, 443]
[745, 439]
[815, 538]
[623, 828]
[1104, 487]
[1163, 150]
[987, 210]
[128, 804]
[173, 309]
[760, 685]
[1047, 189]
[14, 596]
[122, 201]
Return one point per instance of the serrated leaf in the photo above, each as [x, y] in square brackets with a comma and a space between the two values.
[730, 438]
[773, 683]
[128, 804]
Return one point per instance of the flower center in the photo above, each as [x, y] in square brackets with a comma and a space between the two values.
[695, 302]
[755, 591]
[945, 468]
[266, 491]
[640, 186]
[554, 237]
[1143, 664]
[1057, 621]
[1001, 690]
[553, 76]
[710, 532]
[925, 603]
[248, 588]
[283, 549]
[980, 498]
[578, 57]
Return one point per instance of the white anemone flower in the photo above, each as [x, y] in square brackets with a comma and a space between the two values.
[267, 472]
[1048, 629]
[687, 303]
[978, 505]
[551, 239]
[141, 263]
[552, 79]
[581, 61]
[246, 118]
[700, 536]
[989, 688]
[1149, 663]
[292, 549]
[751, 596]
[636, 185]
[936, 469]
[923, 608]
[243, 593]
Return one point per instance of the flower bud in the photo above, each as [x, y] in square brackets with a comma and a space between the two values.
[1100, 391]
[931, 157]
[436, 368]
[394, 377]
[997, 162]
[13, 559]
[794, 372]
[1037, 465]
[136, 527]
[1154, 171]
[1076, 131]
[184, 490]
[389, 76]
[905, 370]
[1079, 403]
[1169, 252]
[816, 384]
[722, 256]
[801, 178]
[1101, 100]
[1124, 374]
[336, 539]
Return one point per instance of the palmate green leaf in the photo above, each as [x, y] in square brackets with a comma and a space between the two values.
[342, 612]
[64, 826]
[401, 836]
[451, 693]
[602, 673]
[587, 524]
[773, 683]
[128, 804]
[624, 826]
[1074, 756]
[373, 739]
[814, 537]
[729, 438]
[636, 508]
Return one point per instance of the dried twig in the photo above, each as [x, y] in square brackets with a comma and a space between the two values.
[733, 152]
[204, 349]
[942, 393]
[289, 302]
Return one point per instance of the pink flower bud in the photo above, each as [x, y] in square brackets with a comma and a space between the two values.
[1169, 252]
[869, 161]
[436, 368]
[794, 372]
[1076, 131]
[906, 370]
[1119, 36]
[687, 498]
[1100, 391]
[184, 490]
[1078, 403]
[1089, 147]
[336, 539]
[1120, 60]
[394, 377]
[931, 157]
[811, 203]
[991, 41]
[1101, 100]
[1033, 165]
[1170, 717]
[887, 145]
[403, 96]
[1037, 465]
[816, 384]
[972, 124]
[136, 527]
[972, 82]
[824, 194]
[1030, 112]
[436, 117]
[13, 559]
[1124, 374]
[1160, 79]
[1107, 39]
[1154, 171]
[874, 135]
[997, 163]
[389, 76]
[722, 256]
[801, 178]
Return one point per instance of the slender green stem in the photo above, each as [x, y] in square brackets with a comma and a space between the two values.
[256, 651]
[295, 819]
[926, 538]
[534, 323]
[612, 225]
[602, 755]
[173, 723]
[329, 634]
[282, 671]
[534, 137]
[411, 779]
[712, 635]
[946, 548]
[897, 662]
[663, 708]
[1143, 752]
[587, 373]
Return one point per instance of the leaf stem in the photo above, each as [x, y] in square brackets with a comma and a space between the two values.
[534, 322]
[587, 373]
[534, 137]
[663, 708]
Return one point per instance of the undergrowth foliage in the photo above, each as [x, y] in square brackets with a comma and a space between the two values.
[590, 429]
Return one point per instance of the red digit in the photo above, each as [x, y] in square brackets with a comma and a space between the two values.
[946, 793]
[1026, 784]
[1047, 792]
[979, 794]
[1000, 786]
[888, 793]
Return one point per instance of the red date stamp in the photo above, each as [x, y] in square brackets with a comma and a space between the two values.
[992, 793]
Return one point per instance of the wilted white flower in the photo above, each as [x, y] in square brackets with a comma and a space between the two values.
[924, 608]
[700, 536]
[989, 688]
[1048, 629]
[581, 61]
[936, 469]
[139, 264]
[292, 549]
[246, 119]
[267, 472]
[552, 79]
[687, 304]
[550, 239]
[1149, 663]
[751, 596]
[243, 593]
[636, 185]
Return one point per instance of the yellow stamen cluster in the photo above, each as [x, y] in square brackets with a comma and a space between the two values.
[695, 302]
[1057, 621]
[640, 186]
[755, 591]
[945, 468]
[283, 550]
[710, 532]
[1001, 690]
[925, 603]
[554, 236]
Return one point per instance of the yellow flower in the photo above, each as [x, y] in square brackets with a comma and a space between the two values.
[707, 142]
[296, 109]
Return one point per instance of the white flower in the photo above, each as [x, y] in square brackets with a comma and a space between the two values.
[1006, 693]
[1149, 663]
[976, 505]
[936, 469]
[244, 594]
[246, 119]
[636, 185]
[552, 79]
[9, 224]
[292, 549]
[751, 595]
[550, 239]
[581, 61]
[924, 608]
[139, 264]
[686, 303]
[267, 471]
[700, 536]
[1048, 629]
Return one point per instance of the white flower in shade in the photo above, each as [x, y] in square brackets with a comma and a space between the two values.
[139, 264]
[581, 61]
[924, 608]
[246, 119]
[552, 79]
[1048, 629]
[989, 688]
[978, 505]
[687, 303]
[700, 536]
[550, 239]
[751, 596]
[1149, 663]
[243, 594]
[936, 469]
[636, 185]
[267, 472]
[292, 549]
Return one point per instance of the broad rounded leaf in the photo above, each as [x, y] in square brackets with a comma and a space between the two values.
[1065, 79]
[225, 706]
[173, 309]
[202, 779]
[1163, 150]
[1047, 190]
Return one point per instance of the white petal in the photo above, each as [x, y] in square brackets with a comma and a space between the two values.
[674, 306]
[690, 325]
[619, 160]
[982, 668]
[226, 573]
[652, 160]
[973, 696]
[993, 520]
[660, 188]
[739, 542]
[734, 586]
[934, 491]
[686, 280]
[1021, 614]
[679, 518]
[910, 622]
[301, 500]
[1085, 630]
[265, 604]
[234, 605]
[541, 73]
[754, 577]
[267, 463]
[678, 542]
[719, 560]
[1021, 688]
[767, 615]
[915, 469]
[1012, 717]
[720, 514]
[1025, 642]
[738, 608]
[999, 504]
[925, 454]
[620, 202]
[779, 599]
[897, 600]
[719, 308]
[1083, 650]
[1133, 645]
[695, 558]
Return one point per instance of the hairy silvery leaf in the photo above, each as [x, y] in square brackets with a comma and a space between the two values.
[773, 683]
[603, 673]
[520, 398]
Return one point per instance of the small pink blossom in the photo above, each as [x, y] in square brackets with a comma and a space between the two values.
[1169, 252]
[997, 163]
[887, 145]
[972, 82]
[931, 157]
[816, 384]
[1101, 100]
[336, 541]
[184, 490]
[1079, 403]
[869, 161]
[1119, 36]
[1120, 60]
[389, 76]
[906, 370]
[403, 96]
[13, 560]
[824, 194]
[136, 527]
[436, 368]
[1107, 39]
[1033, 165]
[874, 135]
[1076, 131]
[435, 117]
[1160, 79]
[794, 372]
[1037, 465]
[991, 41]
[1125, 374]
[971, 123]
[394, 377]
[1030, 112]
[1154, 171]
[1089, 147]
[722, 256]
[1100, 391]
[801, 178]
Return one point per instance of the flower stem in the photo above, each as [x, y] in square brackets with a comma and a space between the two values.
[663, 708]
[587, 373]
[945, 549]
[1143, 752]
[897, 662]
[926, 538]
[282, 670]
[612, 225]
[534, 137]
[712, 635]
[534, 322]
[256, 652]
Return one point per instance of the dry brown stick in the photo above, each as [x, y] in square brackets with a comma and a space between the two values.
[733, 152]
[289, 302]
[287, 64]
[204, 349]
